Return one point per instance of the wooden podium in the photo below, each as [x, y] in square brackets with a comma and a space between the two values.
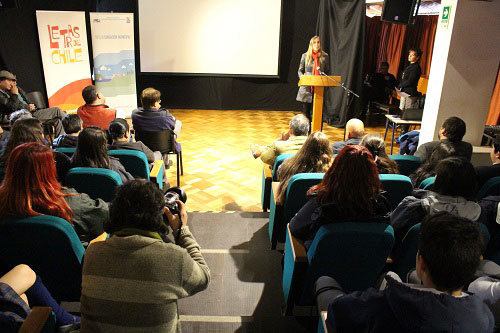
[319, 83]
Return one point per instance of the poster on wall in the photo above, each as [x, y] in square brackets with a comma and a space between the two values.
[114, 59]
[65, 56]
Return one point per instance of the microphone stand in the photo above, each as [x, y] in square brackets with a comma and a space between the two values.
[349, 92]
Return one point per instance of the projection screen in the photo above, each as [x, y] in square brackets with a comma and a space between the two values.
[225, 37]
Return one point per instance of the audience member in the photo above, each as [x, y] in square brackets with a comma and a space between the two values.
[73, 125]
[132, 280]
[409, 81]
[486, 172]
[95, 112]
[452, 131]
[21, 285]
[376, 145]
[454, 191]
[92, 152]
[314, 156]
[14, 116]
[487, 287]
[443, 150]
[289, 143]
[30, 130]
[350, 190]
[31, 188]
[152, 117]
[13, 98]
[449, 253]
[355, 129]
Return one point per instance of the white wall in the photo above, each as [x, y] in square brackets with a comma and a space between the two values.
[463, 69]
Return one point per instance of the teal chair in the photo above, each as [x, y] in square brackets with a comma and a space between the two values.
[266, 181]
[353, 253]
[491, 187]
[397, 187]
[407, 164]
[96, 182]
[136, 163]
[50, 246]
[68, 151]
[296, 197]
[427, 183]
[405, 262]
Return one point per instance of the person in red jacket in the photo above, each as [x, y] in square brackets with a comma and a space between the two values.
[95, 112]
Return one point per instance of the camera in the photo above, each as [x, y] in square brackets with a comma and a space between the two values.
[172, 194]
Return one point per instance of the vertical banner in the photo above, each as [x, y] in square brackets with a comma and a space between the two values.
[65, 56]
[114, 59]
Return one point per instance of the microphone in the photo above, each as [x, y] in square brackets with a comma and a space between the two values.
[320, 72]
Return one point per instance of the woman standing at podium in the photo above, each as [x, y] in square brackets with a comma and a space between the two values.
[309, 62]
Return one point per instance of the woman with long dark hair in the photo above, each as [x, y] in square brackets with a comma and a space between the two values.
[350, 191]
[443, 150]
[30, 188]
[376, 145]
[314, 156]
[92, 152]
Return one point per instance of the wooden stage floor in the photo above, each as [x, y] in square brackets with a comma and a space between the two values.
[220, 173]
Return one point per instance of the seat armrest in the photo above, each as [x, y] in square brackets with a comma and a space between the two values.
[268, 172]
[100, 238]
[297, 247]
[274, 188]
[156, 174]
[35, 321]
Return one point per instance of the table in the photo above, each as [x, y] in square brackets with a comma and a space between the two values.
[395, 121]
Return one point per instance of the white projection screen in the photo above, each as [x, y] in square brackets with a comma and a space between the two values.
[218, 37]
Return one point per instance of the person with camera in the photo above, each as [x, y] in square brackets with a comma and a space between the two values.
[132, 280]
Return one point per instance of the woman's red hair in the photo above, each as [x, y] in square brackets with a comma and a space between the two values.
[30, 186]
[352, 182]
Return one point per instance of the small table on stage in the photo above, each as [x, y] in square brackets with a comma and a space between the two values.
[395, 121]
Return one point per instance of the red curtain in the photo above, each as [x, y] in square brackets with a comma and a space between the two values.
[494, 113]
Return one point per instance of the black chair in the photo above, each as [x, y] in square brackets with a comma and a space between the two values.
[164, 142]
[37, 98]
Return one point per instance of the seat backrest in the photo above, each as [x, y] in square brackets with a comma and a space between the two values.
[50, 246]
[296, 193]
[353, 253]
[134, 161]
[427, 183]
[407, 164]
[37, 98]
[96, 182]
[279, 160]
[397, 186]
[68, 151]
[491, 187]
[162, 141]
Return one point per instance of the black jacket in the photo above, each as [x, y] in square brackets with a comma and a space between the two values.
[10, 103]
[463, 149]
[409, 80]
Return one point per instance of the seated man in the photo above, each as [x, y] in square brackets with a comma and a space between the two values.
[452, 130]
[13, 98]
[73, 125]
[486, 172]
[95, 112]
[355, 129]
[289, 143]
[381, 84]
[152, 117]
[448, 256]
[131, 281]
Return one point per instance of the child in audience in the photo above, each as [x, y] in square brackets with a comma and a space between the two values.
[72, 125]
[30, 188]
[376, 145]
[314, 156]
[349, 191]
[454, 191]
[448, 256]
[18, 287]
[92, 152]
[428, 169]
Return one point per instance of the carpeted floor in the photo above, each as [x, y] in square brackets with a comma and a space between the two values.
[245, 291]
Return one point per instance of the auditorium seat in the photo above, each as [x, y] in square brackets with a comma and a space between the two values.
[268, 179]
[96, 182]
[427, 183]
[407, 164]
[136, 163]
[397, 186]
[491, 187]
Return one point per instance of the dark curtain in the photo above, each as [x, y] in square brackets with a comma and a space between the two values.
[341, 27]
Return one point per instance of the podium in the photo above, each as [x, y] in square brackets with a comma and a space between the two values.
[319, 83]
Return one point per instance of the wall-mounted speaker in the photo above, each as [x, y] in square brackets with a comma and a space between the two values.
[398, 11]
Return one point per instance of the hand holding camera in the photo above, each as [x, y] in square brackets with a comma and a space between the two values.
[175, 209]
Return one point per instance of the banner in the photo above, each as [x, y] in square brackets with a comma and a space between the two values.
[114, 59]
[65, 56]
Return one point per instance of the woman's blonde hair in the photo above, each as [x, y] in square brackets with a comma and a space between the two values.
[314, 156]
[309, 52]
